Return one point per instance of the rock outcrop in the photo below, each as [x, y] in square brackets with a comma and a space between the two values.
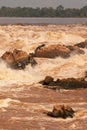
[72, 83]
[69, 83]
[53, 51]
[62, 111]
[47, 80]
[18, 59]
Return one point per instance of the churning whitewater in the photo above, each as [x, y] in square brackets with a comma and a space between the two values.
[28, 38]
[43, 74]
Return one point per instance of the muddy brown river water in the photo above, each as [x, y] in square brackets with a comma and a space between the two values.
[23, 101]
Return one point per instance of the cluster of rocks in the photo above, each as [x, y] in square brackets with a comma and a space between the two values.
[62, 111]
[18, 59]
[69, 83]
[63, 51]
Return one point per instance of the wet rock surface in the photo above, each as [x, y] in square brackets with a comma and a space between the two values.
[69, 83]
[61, 111]
[53, 51]
[61, 52]
[18, 59]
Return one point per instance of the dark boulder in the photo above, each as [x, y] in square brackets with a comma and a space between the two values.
[62, 111]
[69, 83]
[72, 83]
[47, 80]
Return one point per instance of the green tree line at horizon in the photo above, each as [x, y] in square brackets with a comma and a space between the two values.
[59, 11]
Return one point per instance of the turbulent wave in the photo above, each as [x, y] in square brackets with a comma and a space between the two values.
[28, 38]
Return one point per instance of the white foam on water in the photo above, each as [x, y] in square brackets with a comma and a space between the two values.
[28, 38]
[6, 102]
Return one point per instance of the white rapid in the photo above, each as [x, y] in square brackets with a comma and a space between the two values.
[28, 38]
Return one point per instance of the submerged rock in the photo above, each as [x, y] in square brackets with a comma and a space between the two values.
[62, 111]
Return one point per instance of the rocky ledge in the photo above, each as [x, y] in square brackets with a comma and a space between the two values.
[69, 83]
[52, 51]
[18, 59]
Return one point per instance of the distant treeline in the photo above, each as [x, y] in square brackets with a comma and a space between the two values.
[60, 11]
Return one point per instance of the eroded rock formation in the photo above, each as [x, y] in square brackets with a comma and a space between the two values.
[18, 59]
[53, 51]
[62, 111]
[20, 56]
[69, 83]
